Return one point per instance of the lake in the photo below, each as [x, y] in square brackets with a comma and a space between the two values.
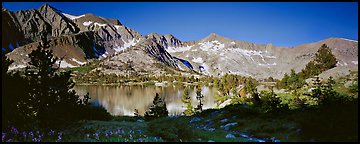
[123, 100]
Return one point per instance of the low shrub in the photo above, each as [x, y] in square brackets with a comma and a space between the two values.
[170, 129]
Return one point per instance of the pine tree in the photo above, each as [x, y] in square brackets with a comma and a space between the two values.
[187, 101]
[157, 110]
[50, 99]
[325, 58]
[283, 82]
[250, 87]
[317, 91]
[199, 97]
[13, 92]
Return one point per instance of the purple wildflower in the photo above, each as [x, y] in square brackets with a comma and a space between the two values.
[14, 130]
[9, 140]
[31, 133]
[3, 136]
[59, 136]
[87, 135]
[41, 136]
[52, 132]
[24, 134]
[97, 136]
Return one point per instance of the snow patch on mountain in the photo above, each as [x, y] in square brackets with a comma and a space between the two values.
[204, 68]
[117, 26]
[99, 24]
[104, 55]
[126, 45]
[270, 56]
[72, 17]
[64, 64]
[349, 40]
[16, 67]
[178, 49]
[273, 64]
[87, 23]
[355, 62]
[211, 46]
[248, 53]
[79, 62]
[198, 60]
[130, 43]
[239, 73]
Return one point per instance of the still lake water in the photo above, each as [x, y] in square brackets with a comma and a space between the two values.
[123, 100]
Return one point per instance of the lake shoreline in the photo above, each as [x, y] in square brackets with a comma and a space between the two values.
[147, 83]
[120, 99]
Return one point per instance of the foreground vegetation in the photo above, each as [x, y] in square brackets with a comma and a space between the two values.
[331, 116]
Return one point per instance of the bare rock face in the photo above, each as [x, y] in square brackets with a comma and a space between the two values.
[103, 35]
[75, 50]
[33, 25]
[167, 40]
[115, 37]
[216, 55]
[147, 57]
[60, 24]
[12, 35]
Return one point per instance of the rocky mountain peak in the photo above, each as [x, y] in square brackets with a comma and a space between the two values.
[166, 40]
[99, 19]
[215, 37]
[333, 39]
[153, 36]
[169, 36]
[47, 7]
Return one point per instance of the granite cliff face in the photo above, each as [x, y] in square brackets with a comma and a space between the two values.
[216, 55]
[147, 57]
[12, 34]
[121, 50]
[89, 36]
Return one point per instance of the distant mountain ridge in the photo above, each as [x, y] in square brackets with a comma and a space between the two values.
[85, 38]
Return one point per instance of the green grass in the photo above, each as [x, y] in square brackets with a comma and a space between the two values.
[84, 68]
[342, 89]
[217, 136]
[79, 132]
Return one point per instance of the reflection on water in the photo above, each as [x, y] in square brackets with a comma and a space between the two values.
[123, 100]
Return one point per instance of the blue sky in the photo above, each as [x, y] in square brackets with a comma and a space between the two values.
[282, 24]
